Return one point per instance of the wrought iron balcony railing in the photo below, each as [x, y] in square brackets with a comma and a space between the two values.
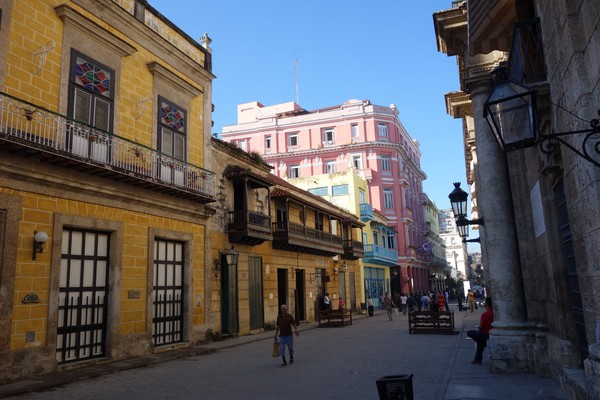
[36, 129]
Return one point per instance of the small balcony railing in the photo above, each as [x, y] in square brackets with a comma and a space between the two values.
[380, 255]
[366, 212]
[249, 227]
[27, 125]
[353, 249]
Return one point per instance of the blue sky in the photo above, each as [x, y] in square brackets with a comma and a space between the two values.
[383, 50]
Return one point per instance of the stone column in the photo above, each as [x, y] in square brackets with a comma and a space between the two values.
[511, 335]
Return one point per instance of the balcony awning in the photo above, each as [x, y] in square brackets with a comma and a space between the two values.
[490, 25]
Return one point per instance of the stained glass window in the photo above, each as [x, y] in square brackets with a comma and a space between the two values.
[172, 117]
[92, 77]
[172, 133]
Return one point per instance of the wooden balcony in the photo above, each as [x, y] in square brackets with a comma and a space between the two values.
[295, 237]
[250, 228]
[353, 249]
[30, 130]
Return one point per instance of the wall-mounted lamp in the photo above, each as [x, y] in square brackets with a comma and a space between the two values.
[458, 200]
[39, 239]
[341, 269]
[511, 112]
[231, 258]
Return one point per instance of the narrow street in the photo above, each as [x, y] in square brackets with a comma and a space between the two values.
[330, 363]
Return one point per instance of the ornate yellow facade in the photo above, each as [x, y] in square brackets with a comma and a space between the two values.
[105, 115]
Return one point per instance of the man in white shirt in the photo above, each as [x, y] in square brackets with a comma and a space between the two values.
[327, 301]
[403, 299]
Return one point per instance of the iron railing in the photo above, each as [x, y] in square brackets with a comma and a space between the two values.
[32, 126]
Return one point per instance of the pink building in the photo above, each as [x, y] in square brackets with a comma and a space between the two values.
[355, 134]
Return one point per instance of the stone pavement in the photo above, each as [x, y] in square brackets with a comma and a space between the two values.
[461, 379]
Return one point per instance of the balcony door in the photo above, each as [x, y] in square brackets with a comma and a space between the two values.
[91, 102]
[172, 141]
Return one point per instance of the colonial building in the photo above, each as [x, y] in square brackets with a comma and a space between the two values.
[529, 97]
[350, 191]
[292, 247]
[105, 117]
[435, 247]
[356, 134]
[456, 250]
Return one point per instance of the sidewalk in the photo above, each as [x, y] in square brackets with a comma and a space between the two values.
[461, 381]
[468, 381]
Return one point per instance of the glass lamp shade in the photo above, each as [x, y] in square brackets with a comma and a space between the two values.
[41, 237]
[510, 113]
[232, 256]
[462, 225]
[458, 200]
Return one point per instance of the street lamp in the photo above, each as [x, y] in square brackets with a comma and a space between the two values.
[458, 200]
[511, 113]
[231, 258]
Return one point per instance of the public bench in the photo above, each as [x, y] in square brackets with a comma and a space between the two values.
[335, 318]
[431, 322]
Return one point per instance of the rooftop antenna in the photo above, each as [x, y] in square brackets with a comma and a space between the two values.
[296, 80]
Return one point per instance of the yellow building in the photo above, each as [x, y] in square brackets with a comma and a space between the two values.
[292, 247]
[374, 238]
[105, 115]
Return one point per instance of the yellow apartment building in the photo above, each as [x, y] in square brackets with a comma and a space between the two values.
[292, 247]
[378, 258]
[105, 182]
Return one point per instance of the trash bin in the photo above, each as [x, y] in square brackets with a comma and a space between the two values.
[393, 387]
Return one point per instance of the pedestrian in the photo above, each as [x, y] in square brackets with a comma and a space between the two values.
[441, 300]
[388, 304]
[471, 300]
[481, 335]
[403, 300]
[425, 302]
[411, 303]
[285, 324]
[327, 302]
[341, 304]
[396, 299]
[460, 300]
[370, 306]
[446, 297]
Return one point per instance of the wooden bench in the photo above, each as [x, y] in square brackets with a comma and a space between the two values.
[335, 318]
[431, 322]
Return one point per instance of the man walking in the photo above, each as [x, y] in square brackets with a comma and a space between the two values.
[285, 323]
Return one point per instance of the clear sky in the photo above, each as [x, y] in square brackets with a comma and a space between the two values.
[381, 50]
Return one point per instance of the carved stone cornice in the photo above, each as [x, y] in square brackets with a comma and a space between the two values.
[84, 25]
[159, 71]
